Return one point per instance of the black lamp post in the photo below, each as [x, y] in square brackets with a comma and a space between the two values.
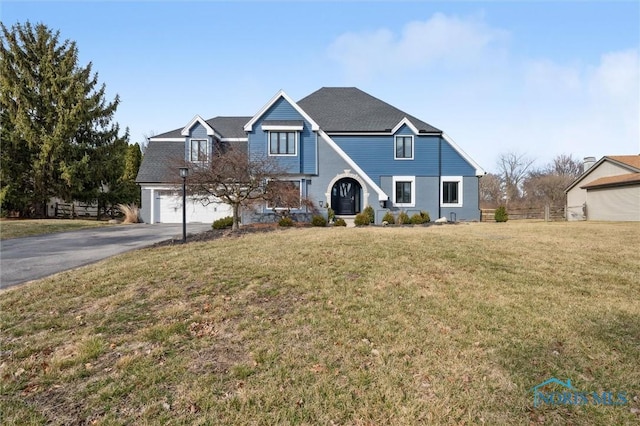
[184, 172]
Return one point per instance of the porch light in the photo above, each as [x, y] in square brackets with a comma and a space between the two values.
[321, 203]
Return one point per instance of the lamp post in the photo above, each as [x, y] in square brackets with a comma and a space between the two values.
[184, 172]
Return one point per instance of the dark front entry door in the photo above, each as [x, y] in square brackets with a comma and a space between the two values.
[345, 197]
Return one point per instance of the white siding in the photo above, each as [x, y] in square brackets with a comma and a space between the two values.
[614, 204]
[577, 196]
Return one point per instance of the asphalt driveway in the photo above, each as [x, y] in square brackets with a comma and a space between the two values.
[31, 258]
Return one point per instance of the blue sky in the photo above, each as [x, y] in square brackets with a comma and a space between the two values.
[536, 78]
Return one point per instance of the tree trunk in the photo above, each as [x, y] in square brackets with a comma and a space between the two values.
[236, 213]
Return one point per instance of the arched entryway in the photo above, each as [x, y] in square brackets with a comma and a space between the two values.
[346, 197]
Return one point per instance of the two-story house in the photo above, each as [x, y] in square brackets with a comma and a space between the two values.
[342, 147]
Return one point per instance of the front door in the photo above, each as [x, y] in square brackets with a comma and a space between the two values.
[345, 197]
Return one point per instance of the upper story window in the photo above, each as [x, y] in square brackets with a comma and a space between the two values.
[451, 194]
[282, 143]
[404, 148]
[198, 150]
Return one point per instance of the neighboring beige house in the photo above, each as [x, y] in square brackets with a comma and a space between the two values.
[608, 189]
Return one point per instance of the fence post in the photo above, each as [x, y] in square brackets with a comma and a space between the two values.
[546, 213]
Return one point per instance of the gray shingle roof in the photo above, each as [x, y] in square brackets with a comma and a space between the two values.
[159, 160]
[349, 109]
[227, 127]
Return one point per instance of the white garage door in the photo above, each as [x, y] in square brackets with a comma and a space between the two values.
[169, 207]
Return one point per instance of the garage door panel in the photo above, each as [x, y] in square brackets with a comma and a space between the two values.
[170, 210]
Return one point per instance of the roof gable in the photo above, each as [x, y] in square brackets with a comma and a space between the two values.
[197, 120]
[225, 128]
[349, 109]
[280, 95]
[629, 162]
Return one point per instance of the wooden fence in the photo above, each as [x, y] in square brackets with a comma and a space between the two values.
[75, 210]
[546, 213]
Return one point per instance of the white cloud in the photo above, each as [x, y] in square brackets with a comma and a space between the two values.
[439, 40]
[459, 75]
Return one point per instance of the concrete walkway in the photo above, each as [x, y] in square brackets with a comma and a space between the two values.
[31, 258]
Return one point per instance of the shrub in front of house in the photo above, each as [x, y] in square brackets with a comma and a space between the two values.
[416, 219]
[370, 214]
[403, 218]
[285, 221]
[318, 220]
[501, 214]
[225, 222]
[361, 219]
[420, 218]
[389, 218]
[339, 222]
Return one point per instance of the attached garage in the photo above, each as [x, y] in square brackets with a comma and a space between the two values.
[609, 189]
[168, 209]
[615, 198]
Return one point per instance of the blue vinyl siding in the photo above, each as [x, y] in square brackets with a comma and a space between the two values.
[375, 154]
[304, 161]
[470, 201]
[453, 164]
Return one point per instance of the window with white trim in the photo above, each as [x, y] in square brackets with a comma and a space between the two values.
[198, 151]
[283, 143]
[451, 191]
[404, 191]
[403, 148]
[284, 194]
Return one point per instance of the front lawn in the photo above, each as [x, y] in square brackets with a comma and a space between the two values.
[450, 324]
[14, 228]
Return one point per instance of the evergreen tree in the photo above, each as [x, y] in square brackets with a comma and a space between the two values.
[56, 126]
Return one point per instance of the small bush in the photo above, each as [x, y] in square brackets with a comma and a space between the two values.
[222, 223]
[361, 219]
[389, 218]
[371, 214]
[318, 220]
[285, 221]
[425, 216]
[339, 222]
[403, 218]
[416, 219]
[501, 214]
[131, 213]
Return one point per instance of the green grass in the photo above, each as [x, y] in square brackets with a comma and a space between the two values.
[15, 228]
[425, 325]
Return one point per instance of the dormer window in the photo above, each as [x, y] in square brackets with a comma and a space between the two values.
[283, 143]
[198, 150]
[404, 148]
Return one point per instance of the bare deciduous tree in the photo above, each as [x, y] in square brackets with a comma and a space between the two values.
[546, 185]
[512, 169]
[235, 178]
[491, 191]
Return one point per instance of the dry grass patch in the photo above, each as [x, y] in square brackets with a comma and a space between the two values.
[447, 325]
[15, 228]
